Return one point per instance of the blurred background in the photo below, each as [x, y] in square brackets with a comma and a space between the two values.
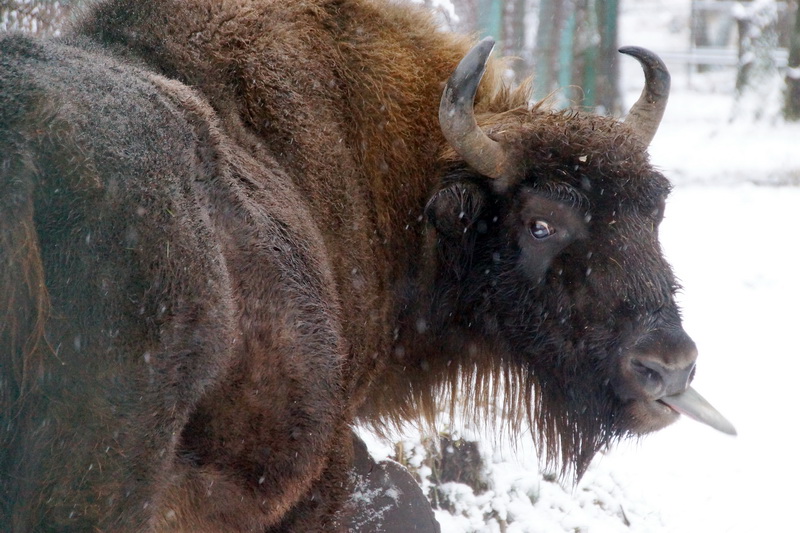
[570, 46]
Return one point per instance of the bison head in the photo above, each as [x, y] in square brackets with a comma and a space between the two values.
[547, 237]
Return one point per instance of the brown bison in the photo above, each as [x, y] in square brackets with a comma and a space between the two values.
[231, 229]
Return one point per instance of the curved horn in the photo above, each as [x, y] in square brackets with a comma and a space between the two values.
[457, 117]
[645, 115]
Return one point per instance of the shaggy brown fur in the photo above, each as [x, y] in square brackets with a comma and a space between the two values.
[231, 228]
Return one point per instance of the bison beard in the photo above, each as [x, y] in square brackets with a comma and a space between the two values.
[231, 229]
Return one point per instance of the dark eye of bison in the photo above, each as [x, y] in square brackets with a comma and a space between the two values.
[541, 229]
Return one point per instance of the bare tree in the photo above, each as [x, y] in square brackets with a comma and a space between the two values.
[607, 70]
[791, 108]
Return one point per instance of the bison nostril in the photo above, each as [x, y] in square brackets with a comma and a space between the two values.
[659, 379]
[650, 376]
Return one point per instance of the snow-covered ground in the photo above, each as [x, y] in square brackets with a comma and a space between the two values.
[731, 235]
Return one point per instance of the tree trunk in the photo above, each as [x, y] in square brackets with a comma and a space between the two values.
[608, 96]
[516, 43]
[791, 109]
[490, 18]
[552, 16]
[578, 45]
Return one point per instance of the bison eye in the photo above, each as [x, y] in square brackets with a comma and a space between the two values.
[541, 230]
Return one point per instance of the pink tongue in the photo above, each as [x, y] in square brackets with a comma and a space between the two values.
[691, 404]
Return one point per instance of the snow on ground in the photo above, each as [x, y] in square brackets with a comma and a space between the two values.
[731, 235]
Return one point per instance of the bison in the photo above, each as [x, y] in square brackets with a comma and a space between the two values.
[229, 230]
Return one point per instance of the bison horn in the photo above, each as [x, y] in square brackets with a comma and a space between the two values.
[645, 115]
[457, 116]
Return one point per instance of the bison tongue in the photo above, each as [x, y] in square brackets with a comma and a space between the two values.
[691, 404]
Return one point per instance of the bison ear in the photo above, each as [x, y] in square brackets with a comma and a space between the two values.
[454, 209]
